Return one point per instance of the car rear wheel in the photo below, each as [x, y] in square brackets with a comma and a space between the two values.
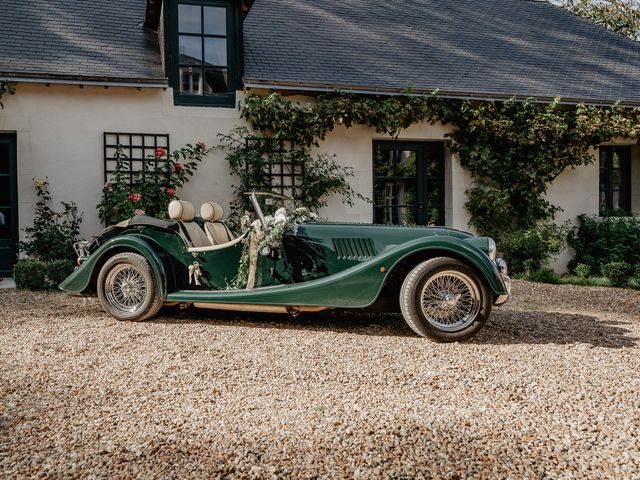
[445, 300]
[127, 288]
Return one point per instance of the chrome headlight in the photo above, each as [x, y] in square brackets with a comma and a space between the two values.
[492, 250]
[502, 266]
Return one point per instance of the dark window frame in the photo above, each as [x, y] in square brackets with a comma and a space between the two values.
[606, 155]
[233, 53]
[421, 179]
[10, 242]
[129, 149]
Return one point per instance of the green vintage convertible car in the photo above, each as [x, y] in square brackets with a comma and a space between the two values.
[443, 281]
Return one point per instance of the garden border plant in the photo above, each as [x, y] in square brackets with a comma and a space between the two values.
[48, 244]
[53, 233]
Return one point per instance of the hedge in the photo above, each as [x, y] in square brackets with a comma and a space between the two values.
[38, 275]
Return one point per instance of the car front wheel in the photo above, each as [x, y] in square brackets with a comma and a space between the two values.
[127, 288]
[445, 300]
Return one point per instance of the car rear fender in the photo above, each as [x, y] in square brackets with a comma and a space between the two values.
[81, 280]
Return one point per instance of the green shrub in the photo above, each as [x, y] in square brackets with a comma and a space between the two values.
[601, 240]
[582, 270]
[544, 275]
[52, 235]
[38, 275]
[618, 272]
[531, 250]
[573, 280]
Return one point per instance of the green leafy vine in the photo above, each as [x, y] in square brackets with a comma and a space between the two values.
[513, 149]
[6, 86]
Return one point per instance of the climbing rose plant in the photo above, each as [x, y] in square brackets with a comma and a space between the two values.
[150, 189]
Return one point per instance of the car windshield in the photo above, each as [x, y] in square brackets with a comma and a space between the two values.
[267, 202]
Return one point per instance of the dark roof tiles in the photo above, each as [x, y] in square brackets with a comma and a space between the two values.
[463, 48]
[77, 39]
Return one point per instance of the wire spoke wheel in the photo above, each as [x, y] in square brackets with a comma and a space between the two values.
[450, 300]
[445, 299]
[125, 288]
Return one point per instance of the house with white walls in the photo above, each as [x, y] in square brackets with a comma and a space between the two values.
[147, 73]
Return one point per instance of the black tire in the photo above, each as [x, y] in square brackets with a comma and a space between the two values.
[445, 300]
[127, 288]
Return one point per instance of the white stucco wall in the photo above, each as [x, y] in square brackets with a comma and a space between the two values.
[576, 192]
[59, 132]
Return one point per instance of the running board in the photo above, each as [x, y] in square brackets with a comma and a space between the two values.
[260, 308]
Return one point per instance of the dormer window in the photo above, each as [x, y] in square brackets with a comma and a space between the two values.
[202, 52]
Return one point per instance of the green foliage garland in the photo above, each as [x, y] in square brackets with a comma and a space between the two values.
[6, 87]
[270, 235]
[513, 149]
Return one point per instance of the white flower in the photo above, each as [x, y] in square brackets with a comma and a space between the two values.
[256, 225]
[281, 215]
[245, 222]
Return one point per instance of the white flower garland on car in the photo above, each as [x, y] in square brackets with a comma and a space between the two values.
[265, 239]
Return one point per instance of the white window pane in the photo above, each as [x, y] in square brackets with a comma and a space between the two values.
[216, 81]
[191, 81]
[190, 50]
[189, 19]
[215, 51]
[215, 20]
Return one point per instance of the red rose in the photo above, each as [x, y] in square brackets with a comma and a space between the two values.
[138, 212]
[160, 152]
[177, 167]
[108, 186]
[201, 146]
[170, 192]
[135, 197]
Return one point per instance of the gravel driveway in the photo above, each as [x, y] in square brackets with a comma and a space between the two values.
[549, 389]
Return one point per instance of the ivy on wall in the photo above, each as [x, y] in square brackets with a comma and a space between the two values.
[6, 87]
[513, 149]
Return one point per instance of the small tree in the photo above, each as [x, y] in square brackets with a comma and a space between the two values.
[620, 16]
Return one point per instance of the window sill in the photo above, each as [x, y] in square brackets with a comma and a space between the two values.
[225, 101]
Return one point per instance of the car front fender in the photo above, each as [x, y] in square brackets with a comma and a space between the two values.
[80, 280]
[458, 248]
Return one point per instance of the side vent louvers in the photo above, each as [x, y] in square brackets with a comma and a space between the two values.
[354, 248]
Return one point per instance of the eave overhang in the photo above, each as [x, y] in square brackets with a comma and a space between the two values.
[310, 88]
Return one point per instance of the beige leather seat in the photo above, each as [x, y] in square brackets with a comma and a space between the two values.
[183, 212]
[217, 231]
